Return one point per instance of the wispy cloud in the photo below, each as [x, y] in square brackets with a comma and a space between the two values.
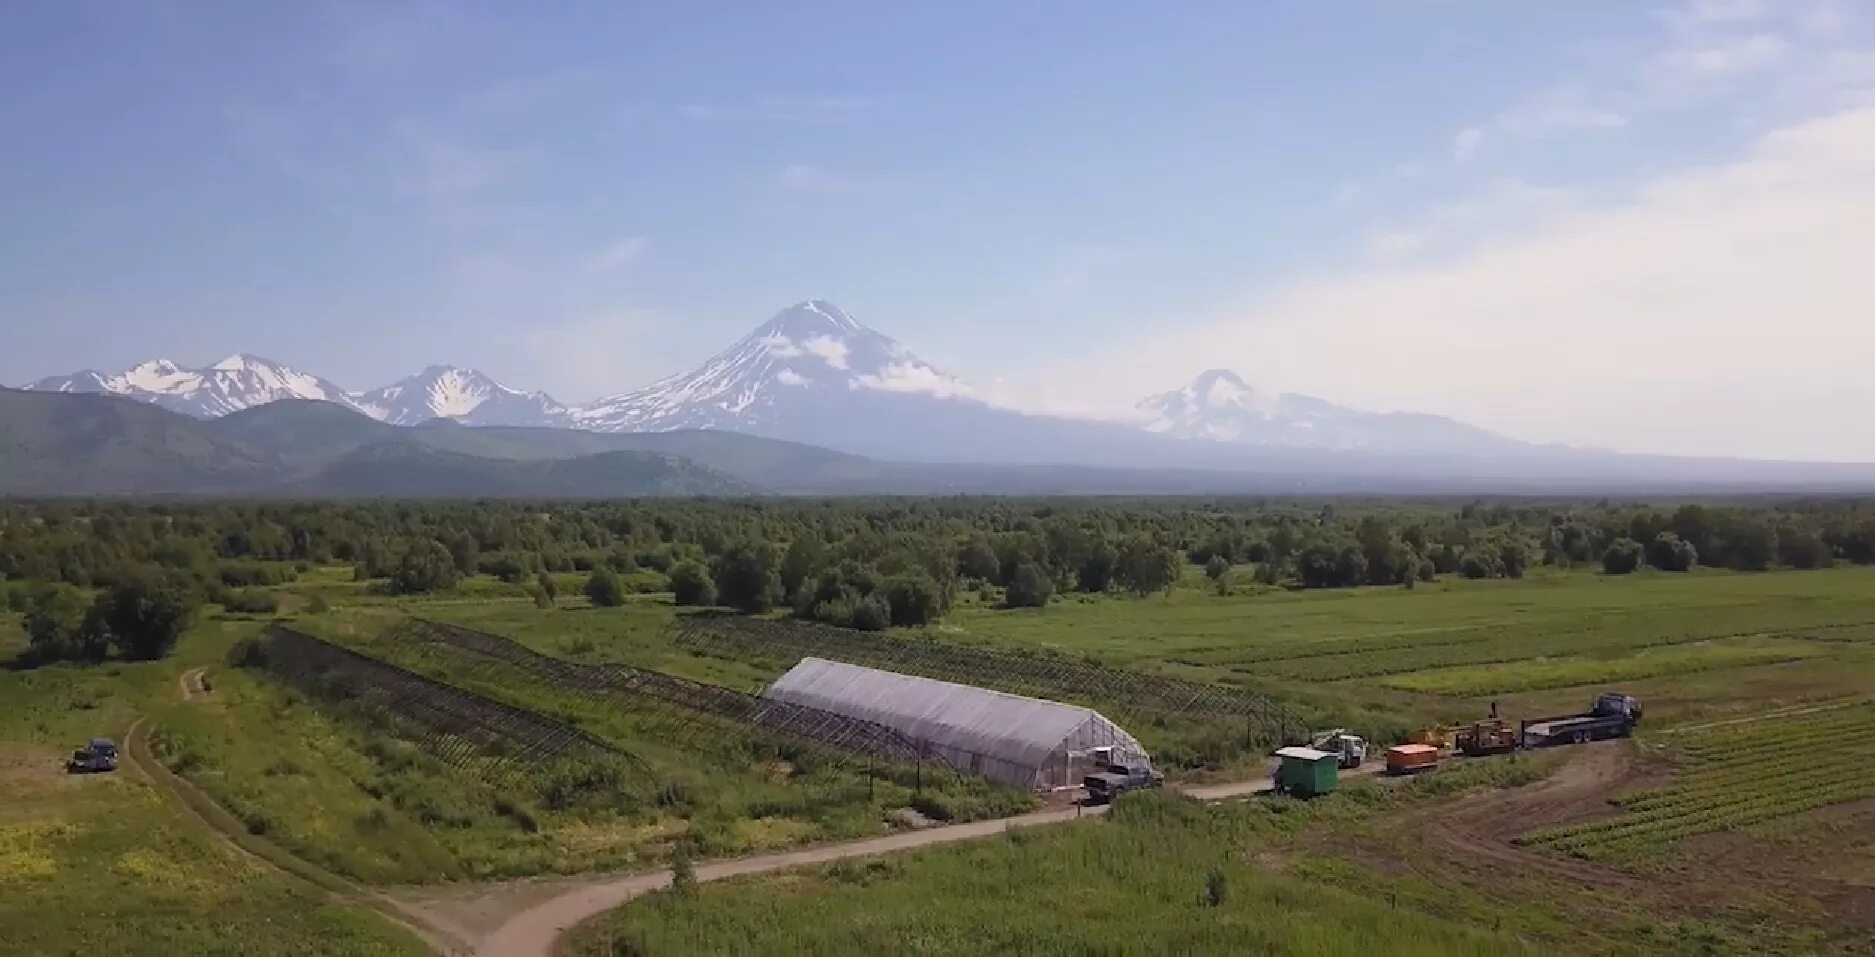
[787, 109]
[1751, 271]
[1559, 109]
[618, 255]
[1465, 142]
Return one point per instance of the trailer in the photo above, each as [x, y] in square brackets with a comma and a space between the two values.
[1613, 715]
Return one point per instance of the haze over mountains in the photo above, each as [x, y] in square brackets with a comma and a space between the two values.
[811, 373]
[845, 407]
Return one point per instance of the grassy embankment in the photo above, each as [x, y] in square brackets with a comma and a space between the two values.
[104, 864]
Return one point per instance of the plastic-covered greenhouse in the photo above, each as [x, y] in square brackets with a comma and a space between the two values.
[1027, 742]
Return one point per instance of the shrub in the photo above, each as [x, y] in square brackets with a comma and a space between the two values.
[1622, 557]
[912, 599]
[250, 601]
[1028, 587]
[1216, 568]
[691, 584]
[603, 589]
[1670, 553]
[426, 567]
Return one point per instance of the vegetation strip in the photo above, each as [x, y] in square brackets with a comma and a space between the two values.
[844, 735]
[485, 737]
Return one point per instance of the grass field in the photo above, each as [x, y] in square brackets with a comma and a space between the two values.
[1331, 877]
[103, 864]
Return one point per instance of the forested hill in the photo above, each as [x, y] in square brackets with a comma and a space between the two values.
[56, 445]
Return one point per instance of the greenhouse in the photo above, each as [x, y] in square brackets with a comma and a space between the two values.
[1026, 742]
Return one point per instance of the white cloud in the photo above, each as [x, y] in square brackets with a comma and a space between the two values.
[1466, 143]
[1565, 108]
[783, 347]
[790, 377]
[1718, 310]
[914, 377]
[830, 350]
[1694, 64]
[618, 255]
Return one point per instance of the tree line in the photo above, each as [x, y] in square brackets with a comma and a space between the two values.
[874, 563]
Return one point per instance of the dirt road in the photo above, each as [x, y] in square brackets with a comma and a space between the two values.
[543, 911]
[1479, 829]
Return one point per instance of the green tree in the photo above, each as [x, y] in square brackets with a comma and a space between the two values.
[691, 584]
[1096, 574]
[746, 577]
[549, 586]
[1750, 544]
[58, 628]
[1803, 548]
[1671, 553]
[1145, 566]
[1622, 557]
[146, 615]
[1217, 567]
[603, 588]
[913, 599]
[426, 567]
[1029, 587]
[540, 596]
[976, 559]
[806, 555]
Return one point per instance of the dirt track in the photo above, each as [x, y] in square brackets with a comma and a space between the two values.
[1480, 828]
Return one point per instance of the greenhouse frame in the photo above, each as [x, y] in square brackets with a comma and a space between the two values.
[1027, 742]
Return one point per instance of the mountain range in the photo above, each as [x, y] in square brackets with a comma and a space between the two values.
[811, 401]
[811, 373]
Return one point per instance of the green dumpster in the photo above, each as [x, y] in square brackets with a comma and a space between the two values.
[1306, 772]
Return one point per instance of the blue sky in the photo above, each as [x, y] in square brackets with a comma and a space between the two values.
[1070, 205]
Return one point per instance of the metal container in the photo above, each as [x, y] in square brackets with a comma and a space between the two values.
[1411, 758]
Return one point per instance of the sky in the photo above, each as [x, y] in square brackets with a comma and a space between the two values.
[1628, 225]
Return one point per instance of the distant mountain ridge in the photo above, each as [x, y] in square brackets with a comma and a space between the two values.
[814, 374]
[1220, 406]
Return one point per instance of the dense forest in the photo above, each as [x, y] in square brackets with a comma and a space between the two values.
[859, 563]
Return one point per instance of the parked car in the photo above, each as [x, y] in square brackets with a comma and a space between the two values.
[98, 754]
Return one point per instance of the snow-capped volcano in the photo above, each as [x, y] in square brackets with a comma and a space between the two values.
[1220, 406]
[450, 392]
[811, 359]
[237, 382]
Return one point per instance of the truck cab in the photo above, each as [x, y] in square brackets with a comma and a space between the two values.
[1350, 750]
[1615, 705]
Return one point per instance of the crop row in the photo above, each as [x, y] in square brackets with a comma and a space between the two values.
[1660, 831]
[488, 738]
[1573, 671]
[670, 693]
[1739, 776]
[1119, 691]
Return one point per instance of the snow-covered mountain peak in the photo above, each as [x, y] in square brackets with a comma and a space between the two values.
[452, 392]
[237, 382]
[809, 354]
[1219, 405]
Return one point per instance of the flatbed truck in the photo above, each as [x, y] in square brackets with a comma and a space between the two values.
[1614, 715]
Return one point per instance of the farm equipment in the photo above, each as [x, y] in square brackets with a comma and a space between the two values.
[1111, 779]
[1493, 736]
[1613, 715]
[98, 754]
[1349, 750]
[1435, 737]
[1412, 758]
[1307, 772]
